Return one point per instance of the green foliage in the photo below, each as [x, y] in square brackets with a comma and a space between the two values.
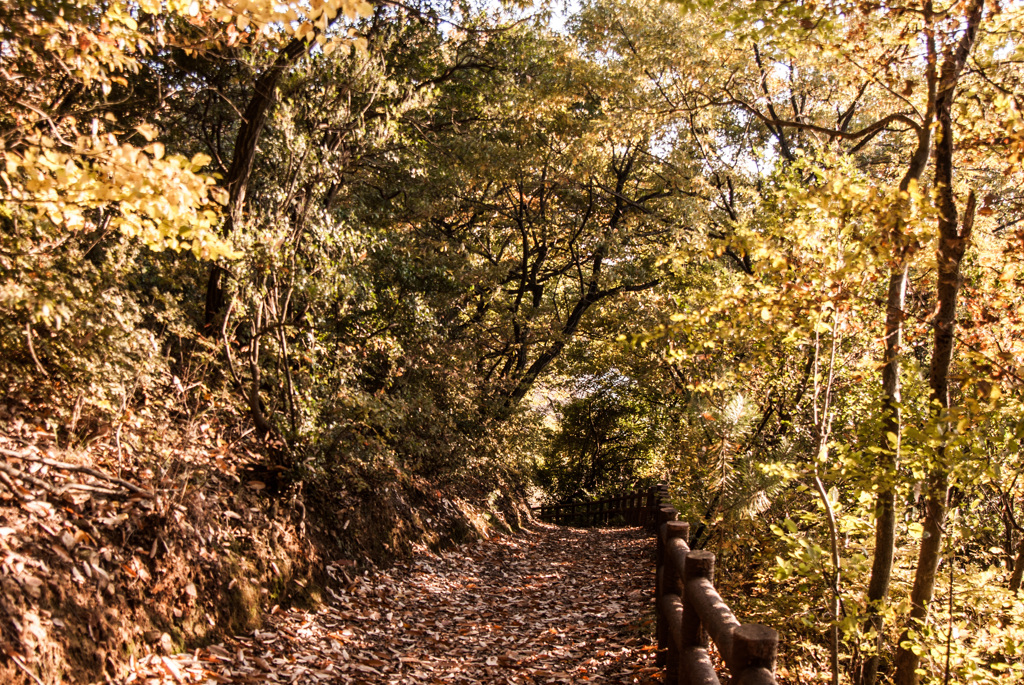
[53, 325]
[607, 442]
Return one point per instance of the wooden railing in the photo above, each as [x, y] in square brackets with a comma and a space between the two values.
[690, 611]
[627, 510]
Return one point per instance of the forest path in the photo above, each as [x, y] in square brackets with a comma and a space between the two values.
[549, 605]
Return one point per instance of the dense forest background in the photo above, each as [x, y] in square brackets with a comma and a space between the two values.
[439, 260]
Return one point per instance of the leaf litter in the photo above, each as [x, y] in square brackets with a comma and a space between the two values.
[548, 605]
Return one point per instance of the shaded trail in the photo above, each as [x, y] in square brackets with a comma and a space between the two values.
[550, 605]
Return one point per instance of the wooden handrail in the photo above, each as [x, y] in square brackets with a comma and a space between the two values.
[691, 612]
[631, 510]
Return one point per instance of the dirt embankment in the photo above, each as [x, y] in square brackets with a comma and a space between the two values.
[160, 534]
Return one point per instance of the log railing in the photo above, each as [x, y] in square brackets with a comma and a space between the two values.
[690, 612]
[627, 510]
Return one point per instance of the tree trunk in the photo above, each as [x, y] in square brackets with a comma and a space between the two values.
[954, 237]
[243, 156]
[885, 504]
[1018, 569]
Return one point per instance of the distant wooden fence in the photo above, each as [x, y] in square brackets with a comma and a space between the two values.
[627, 510]
[690, 611]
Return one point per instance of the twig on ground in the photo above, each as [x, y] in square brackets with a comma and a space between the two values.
[93, 488]
[64, 466]
[13, 487]
[8, 472]
[24, 669]
[27, 477]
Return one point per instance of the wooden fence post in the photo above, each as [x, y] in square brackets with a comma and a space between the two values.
[755, 649]
[651, 511]
[665, 514]
[671, 585]
[699, 564]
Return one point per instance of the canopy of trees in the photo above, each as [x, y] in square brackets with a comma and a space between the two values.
[768, 250]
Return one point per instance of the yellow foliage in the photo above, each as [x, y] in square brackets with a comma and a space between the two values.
[57, 172]
[165, 201]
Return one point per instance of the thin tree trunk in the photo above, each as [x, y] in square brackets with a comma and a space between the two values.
[954, 237]
[823, 427]
[1018, 569]
[885, 502]
[834, 599]
[243, 156]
